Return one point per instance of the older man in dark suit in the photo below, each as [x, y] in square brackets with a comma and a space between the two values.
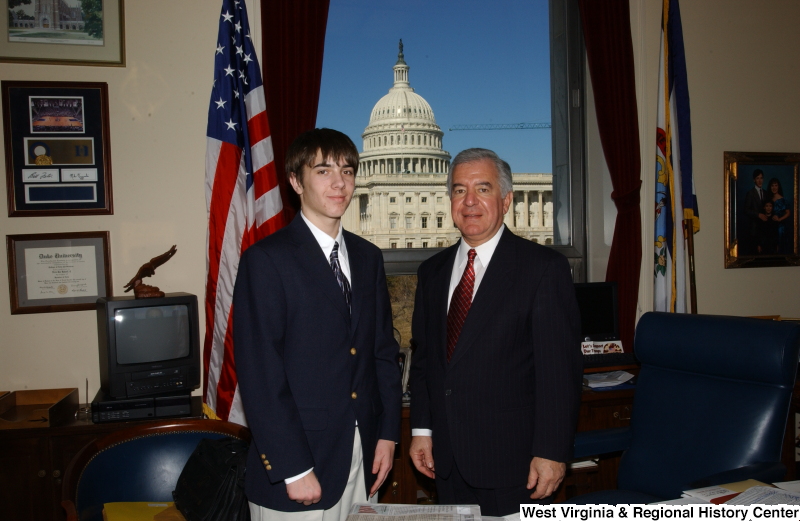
[315, 354]
[496, 376]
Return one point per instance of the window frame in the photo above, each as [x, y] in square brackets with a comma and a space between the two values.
[567, 76]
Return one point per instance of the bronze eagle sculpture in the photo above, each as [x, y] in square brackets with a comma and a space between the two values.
[148, 269]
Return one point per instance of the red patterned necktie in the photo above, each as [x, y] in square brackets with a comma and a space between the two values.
[459, 304]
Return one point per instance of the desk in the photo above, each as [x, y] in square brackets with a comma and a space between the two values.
[32, 462]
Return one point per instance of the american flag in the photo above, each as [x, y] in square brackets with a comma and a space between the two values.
[242, 194]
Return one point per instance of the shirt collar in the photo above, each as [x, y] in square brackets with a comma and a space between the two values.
[484, 251]
[324, 240]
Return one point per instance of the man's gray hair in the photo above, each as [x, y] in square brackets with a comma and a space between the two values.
[479, 154]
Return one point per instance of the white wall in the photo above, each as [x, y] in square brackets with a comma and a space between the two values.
[158, 109]
[742, 61]
[742, 65]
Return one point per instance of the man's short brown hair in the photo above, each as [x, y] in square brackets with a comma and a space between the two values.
[330, 143]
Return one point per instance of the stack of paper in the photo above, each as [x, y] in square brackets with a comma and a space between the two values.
[596, 380]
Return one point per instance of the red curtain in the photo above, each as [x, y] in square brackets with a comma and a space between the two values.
[293, 33]
[609, 52]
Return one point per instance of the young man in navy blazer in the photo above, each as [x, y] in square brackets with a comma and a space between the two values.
[315, 355]
[496, 375]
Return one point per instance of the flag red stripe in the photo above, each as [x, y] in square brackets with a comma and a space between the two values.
[258, 127]
[265, 179]
[225, 178]
[226, 387]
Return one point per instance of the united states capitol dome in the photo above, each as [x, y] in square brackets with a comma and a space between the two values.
[401, 103]
[402, 135]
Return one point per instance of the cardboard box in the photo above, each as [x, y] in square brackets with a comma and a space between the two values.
[38, 408]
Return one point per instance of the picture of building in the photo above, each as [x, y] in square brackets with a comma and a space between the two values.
[401, 198]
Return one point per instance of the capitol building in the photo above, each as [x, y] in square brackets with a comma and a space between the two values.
[400, 198]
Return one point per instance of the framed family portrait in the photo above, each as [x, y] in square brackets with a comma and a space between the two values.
[63, 32]
[58, 151]
[761, 209]
[50, 272]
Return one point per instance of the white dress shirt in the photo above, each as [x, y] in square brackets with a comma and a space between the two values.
[483, 256]
[326, 243]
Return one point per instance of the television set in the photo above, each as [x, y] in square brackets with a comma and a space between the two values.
[148, 346]
[597, 302]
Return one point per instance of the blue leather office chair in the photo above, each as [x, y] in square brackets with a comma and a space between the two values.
[141, 463]
[711, 406]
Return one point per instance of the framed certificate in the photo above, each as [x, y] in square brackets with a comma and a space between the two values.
[50, 272]
[58, 155]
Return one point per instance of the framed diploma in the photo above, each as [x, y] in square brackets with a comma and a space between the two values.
[58, 154]
[50, 272]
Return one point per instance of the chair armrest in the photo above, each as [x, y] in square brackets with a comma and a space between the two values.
[69, 507]
[601, 441]
[767, 472]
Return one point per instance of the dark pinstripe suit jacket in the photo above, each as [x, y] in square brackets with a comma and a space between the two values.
[512, 389]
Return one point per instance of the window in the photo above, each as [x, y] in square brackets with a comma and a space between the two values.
[392, 200]
[409, 245]
[409, 221]
[440, 244]
[424, 244]
[423, 223]
[543, 83]
[392, 222]
[394, 245]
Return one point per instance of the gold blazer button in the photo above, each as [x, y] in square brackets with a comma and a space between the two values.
[354, 395]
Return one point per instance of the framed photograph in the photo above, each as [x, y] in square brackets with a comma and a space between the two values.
[761, 209]
[63, 32]
[58, 152]
[50, 272]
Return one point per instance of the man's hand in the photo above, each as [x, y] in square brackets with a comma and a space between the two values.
[382, 464]
[305, 490]
[546, 475]
[422, 454]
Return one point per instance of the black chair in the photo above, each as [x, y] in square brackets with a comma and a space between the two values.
[711, 406]
[141, 463]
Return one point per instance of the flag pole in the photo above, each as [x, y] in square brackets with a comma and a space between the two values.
[688, 232]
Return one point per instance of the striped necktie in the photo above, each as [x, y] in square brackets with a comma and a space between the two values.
[340, 276]
[460, 304]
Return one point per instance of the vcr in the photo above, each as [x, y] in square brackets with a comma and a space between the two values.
[106, 409]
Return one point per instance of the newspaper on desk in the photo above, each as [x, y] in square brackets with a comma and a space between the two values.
[382, 512]
[765, 496]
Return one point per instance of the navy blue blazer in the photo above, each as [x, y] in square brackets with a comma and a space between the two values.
[512, 389]
[308, 368]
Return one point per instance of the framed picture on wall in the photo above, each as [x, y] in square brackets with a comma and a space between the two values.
[761, 209]
[50, 272]
[57, 145]
[70, 32]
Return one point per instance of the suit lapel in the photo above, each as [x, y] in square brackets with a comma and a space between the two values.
[311, 259]
[440, 287]
[495, 286]
[358, 279]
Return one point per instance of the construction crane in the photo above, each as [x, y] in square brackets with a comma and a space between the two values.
[501, 126]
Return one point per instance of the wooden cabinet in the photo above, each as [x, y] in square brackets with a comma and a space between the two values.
[33, 461]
